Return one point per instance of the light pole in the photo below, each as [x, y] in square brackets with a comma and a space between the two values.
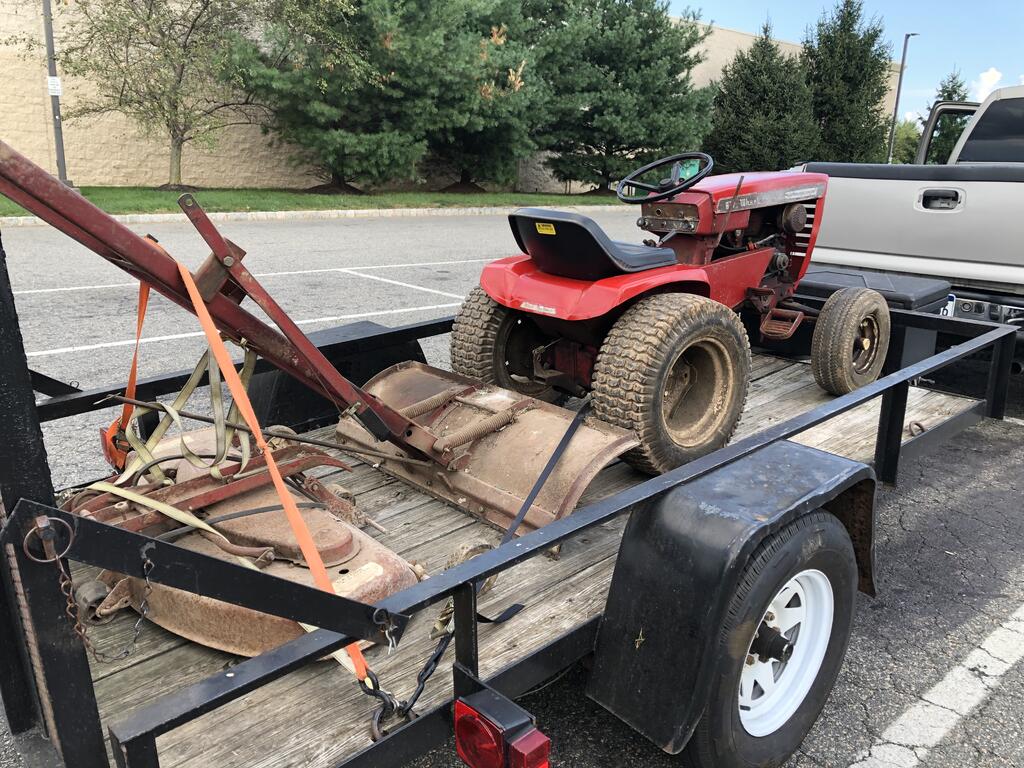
[899, 87]
[54, 87]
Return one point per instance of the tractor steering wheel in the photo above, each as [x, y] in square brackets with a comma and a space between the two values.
[665, 188]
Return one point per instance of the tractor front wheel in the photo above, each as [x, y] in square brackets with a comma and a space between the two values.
[674, 369]
[851, 339]
[495, 344]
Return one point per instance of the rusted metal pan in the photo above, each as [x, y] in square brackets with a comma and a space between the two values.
[496, 443]
[360, 567]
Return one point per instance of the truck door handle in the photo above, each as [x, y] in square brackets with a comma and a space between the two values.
[940, 199]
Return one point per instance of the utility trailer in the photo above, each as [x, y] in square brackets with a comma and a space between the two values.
[645, 570]
[714, 601]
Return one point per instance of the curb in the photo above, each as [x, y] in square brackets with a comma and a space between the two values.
[349, 213]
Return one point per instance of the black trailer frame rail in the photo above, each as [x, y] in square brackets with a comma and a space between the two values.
[134, 739]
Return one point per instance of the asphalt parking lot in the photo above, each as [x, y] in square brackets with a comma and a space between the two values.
[933, 676]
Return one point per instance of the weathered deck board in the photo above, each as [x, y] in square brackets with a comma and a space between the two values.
[316, 716]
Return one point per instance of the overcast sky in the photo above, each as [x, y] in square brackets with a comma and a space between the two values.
[984, 39]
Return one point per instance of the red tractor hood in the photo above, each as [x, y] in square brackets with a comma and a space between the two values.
[757, 190]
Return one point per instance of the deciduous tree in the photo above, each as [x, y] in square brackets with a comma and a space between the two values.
[167, 64]
[908, 136]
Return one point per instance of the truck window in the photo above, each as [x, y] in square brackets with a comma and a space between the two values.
[998, 136]
[948, 127]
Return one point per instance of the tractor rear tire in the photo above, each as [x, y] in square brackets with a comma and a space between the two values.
[674, 369]
[851, 339]
[491, 342]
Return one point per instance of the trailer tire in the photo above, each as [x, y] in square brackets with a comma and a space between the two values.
[486, 336]
[638, 367]
[851, 318]
[808, 566]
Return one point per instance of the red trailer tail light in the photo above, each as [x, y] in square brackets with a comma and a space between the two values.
[494, 732]
[477, 740]
[531, 750]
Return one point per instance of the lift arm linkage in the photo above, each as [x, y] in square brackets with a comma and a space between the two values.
[223, 281]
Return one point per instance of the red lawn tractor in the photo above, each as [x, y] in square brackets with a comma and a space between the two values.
[658, 332]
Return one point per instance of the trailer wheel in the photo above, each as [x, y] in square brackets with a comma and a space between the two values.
[783, 641]
[851, 338]
[674, 369]
[495, 344]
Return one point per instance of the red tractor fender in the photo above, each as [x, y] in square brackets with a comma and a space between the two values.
[516, 283]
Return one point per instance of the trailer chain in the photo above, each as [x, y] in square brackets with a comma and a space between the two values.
[390, 706]
[45, 532]
[404, 711]
[74, 615]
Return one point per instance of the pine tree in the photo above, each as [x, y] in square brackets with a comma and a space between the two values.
[422, 56]
[949, 127]
[763, 117]
[848, 63]
[619, 87]
[490, 129]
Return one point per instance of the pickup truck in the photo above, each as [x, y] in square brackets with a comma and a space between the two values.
[960, 218]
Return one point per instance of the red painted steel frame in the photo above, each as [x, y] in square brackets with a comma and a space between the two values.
[516, 282]
[41, 194]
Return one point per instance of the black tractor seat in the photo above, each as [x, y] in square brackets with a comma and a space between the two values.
[572, 245]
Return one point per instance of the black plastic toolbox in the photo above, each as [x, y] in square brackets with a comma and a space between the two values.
[921, 294]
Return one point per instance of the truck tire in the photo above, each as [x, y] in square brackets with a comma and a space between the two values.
[495, 344]
[851, 339]
[801, 582]
[674, 369]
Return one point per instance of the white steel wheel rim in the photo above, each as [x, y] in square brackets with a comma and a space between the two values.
[771, 691]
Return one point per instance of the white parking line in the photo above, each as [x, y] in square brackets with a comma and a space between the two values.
[289, 273]
[905, 743]
[403, 285]
[175, 336]
[373, 266]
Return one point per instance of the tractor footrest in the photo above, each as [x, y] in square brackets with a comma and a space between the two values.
[780, 324]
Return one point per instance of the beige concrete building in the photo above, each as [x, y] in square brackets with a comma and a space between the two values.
[110, 150]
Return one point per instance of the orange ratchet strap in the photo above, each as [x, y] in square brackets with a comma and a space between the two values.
[114, 455]
[298, 524]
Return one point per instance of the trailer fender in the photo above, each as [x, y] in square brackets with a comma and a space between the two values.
[680, 561]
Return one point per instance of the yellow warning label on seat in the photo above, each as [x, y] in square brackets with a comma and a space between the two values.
[545, 228]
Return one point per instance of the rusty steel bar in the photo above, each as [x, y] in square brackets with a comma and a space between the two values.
[41, 194]
[269, 433]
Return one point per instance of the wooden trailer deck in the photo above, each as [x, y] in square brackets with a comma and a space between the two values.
[317, 716]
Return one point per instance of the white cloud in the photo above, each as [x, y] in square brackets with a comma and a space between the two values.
[987, 82]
